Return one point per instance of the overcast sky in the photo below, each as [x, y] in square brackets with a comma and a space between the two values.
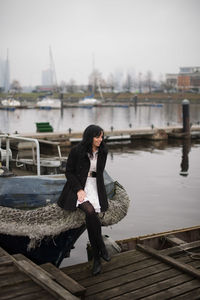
[122, 35]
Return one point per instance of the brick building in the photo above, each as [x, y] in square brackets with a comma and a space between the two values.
[188, 79]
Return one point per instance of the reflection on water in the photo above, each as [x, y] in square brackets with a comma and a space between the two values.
[160, 199]
[23, 120]
[185, 159]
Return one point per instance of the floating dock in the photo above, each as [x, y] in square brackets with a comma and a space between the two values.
[52, 140]
[173, 272]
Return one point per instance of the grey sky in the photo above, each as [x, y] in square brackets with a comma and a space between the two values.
[125, 35]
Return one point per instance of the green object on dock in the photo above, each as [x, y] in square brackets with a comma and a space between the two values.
[44, 127]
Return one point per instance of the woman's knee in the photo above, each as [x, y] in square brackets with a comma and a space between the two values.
[88, 208]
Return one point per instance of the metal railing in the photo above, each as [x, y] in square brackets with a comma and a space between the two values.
[8, 137]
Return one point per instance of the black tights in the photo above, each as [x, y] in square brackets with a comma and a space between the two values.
[93, 225]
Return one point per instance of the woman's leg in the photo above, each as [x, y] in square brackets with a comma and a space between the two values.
[93, 225]
[94, 233]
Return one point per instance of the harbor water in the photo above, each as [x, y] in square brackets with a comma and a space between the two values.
[77, 118]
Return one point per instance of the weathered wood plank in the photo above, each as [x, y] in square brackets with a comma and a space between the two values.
[45, 281]
[13, 279]
[181, 266]
[172, 239]
[5, 260]
[175, 291]
[83, 271]
[192, 262]
[110, 272]
[152, 289]
[192, 295]
[115, 259]
[180, 248]
[64, 280]
[42, 295]
[114, 274]
[7, 269]
[18, 290]
[20, 256]
[129, 281]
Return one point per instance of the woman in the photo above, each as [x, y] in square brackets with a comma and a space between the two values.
[85, 187]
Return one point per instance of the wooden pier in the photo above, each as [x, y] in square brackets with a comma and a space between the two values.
[173, 272]
[21, 279]
[64, 140]
[144, 273]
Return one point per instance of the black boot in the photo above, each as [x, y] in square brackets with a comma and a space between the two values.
[96, 266]
[104, 254]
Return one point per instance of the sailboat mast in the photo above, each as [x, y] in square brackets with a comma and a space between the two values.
[7, 74]
[93, 72]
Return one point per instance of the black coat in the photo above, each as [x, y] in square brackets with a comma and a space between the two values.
[77, 168]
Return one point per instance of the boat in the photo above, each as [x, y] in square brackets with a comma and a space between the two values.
[10, 104]
[33, 224]
[48, 103]
[165, 240]
[89, 101]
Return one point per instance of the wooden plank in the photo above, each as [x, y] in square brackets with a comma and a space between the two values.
[169, 260]
[5, 260]
[181, 248]
[117, 257]
[45, 281]
[83, 271]
[192, 295]
[192, 262]
[113, 275]
[175, 291]
[13, 278]
[7, 269]
[129, 282]
[42, 295]
[24, 288]
[143, 278]
[172, 239]
[20, 256]
[154, 288]
[64, 280]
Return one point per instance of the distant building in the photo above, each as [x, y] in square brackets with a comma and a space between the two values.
[189, 70]
[171, 81]
[45, 89]
[188, 79]
[4, 75]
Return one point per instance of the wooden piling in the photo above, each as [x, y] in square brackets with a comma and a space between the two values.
[186, 117]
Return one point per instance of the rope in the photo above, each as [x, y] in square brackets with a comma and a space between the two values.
[51, 220]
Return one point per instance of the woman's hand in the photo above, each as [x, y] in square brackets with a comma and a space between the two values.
[81, 195]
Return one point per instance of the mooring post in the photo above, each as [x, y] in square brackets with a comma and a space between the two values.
[186, 117]
[61, 104]
[135, 100]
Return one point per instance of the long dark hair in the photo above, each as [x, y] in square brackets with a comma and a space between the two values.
[89, 133]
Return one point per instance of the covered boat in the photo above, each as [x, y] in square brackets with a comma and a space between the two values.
[33, 224]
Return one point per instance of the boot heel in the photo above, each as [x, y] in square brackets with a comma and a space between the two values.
[96, 267]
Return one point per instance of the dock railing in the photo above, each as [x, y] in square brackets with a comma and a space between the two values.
[8, 137]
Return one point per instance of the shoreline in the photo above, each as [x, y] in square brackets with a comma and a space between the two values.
[128, 98]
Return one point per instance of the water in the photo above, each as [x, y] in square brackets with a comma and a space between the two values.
[23, 120]
[160, 198]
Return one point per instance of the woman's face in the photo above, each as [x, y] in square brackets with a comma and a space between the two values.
[97, 140]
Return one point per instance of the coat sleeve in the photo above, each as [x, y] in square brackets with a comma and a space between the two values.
[71, 171]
